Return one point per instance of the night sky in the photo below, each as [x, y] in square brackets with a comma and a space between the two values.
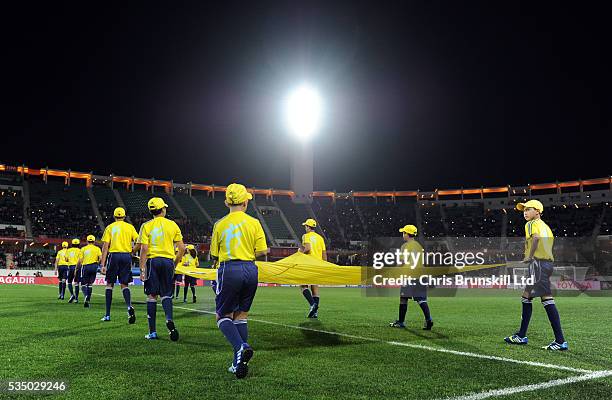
[417, 95]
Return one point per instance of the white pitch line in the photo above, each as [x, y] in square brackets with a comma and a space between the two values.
[535, 386]
[488, 357]
[414, 346]
[411, 345]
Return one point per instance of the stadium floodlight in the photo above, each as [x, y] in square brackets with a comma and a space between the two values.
[303, 111]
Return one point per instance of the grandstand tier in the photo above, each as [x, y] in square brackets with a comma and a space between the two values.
[383, 216]
[61, 208]
[295, 213]
[272, 215]
[136, 202]
[11, 205]
[327, 219]
[191, 209]
[107, 202]
[215, 206]
[349, 219]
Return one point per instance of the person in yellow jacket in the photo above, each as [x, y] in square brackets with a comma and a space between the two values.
[416, 291]
[89, 263]
[73, 254]
[158, 259]
[539, 241]
[190, 259]
[314, 245]
[178, 278]
[117, 247]
[61, 270]
[237, 241]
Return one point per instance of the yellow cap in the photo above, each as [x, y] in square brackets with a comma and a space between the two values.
[310, 222]
[76, 241]
[156, 203]
[531, 204]
[119, 212]
[91, 238]
[409, 229]
[236, 194]
[64, 244]
[190, 247]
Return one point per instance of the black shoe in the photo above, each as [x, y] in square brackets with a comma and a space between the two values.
[244, 356]
[313, 313]
[71, 299]
[194, 299]
[397, 324]
[76, 300]
[59, 297]
[86, 304]
[174, 335]
[427, 325]
[131, 315]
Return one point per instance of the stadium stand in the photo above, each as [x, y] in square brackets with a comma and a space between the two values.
[106, 202]
[349, 219]
[493, 222]
[215, 206]
[190, 209]
[574, 221]
[11, 207]
[325, 212]
[271, 215]
[571, 220]
[472, 219]
[432, 220]
[383, 216]
[173, 212]
[136, 207]
[10, 179]
[195, 227]
[516, 224]
[34, 259]
[250, 210]
[276, 224]
[296, 214]
[11, 231]
[136, 203]
[58, 210]
[194, 231]
[606, 223]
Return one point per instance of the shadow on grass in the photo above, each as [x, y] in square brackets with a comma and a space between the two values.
[266, 337]
[193, 314]
[431, 335]
[311, 336]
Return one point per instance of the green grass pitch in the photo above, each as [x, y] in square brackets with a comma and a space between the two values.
[43, 338]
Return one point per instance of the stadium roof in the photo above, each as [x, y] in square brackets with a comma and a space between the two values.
[169, 186]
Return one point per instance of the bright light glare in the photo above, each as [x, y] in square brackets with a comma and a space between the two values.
[303, 112]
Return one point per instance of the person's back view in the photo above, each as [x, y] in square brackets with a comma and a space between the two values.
[116, 262]
[237, 240]
[158, 259]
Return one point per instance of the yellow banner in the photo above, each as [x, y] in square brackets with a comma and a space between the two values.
[302, 269]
